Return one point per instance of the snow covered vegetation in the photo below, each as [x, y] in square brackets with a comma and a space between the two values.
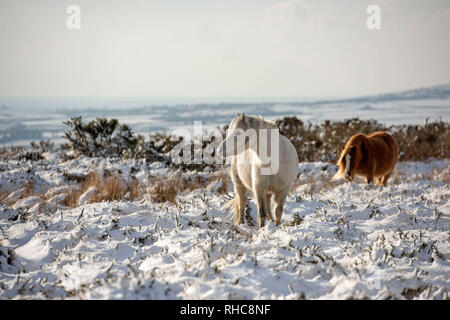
[82, 225]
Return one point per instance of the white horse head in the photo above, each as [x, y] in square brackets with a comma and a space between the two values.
[242, 133]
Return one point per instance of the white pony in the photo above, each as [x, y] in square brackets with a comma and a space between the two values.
[251, 171]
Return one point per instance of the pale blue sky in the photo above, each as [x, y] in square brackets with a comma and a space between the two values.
[199, 48]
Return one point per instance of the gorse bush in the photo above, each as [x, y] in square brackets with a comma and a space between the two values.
[101, 138]
[109, 138]
[324, 142]
[418, 143]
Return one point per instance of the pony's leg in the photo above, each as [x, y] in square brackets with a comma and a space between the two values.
[379, 181]
[261, 203]
[385, 179]
[279, 199]
[269, 206]
[369, 180]
[240, 199]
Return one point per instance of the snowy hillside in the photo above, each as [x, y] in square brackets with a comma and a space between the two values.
[337, 240]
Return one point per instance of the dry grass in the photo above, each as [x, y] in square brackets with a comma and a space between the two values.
[165, 190]
[71, 199]
[115, 189]
[110, 188]
[224, 178]
[28, 191]
[168, 188]
[4, 193]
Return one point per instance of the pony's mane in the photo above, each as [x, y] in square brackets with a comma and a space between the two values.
[263, 123]
[258, 122]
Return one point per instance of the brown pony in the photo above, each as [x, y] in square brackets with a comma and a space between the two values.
[371, 156]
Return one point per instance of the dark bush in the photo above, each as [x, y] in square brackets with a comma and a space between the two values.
[101, 138]
[418, 143]
[324, 142]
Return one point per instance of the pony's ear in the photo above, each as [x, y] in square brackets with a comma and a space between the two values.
[245, 119]
[239, 115]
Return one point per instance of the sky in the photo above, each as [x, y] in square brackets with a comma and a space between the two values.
[211, 48]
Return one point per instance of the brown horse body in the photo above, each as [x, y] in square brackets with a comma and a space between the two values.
[372, 156]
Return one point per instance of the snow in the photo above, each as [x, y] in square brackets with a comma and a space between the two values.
[352, 241]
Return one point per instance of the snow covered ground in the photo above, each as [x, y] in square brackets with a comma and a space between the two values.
[337, 241]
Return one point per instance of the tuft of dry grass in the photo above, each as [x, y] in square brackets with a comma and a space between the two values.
[28, 191]
[71, 199]
[168, 188]
[224, 178]
[165, 190]
[110, 188]
[4, 193]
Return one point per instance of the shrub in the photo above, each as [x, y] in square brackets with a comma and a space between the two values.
[418, 143]
[325, 141]
[100, 138]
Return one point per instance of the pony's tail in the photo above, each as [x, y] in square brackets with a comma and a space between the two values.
[231, 205]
